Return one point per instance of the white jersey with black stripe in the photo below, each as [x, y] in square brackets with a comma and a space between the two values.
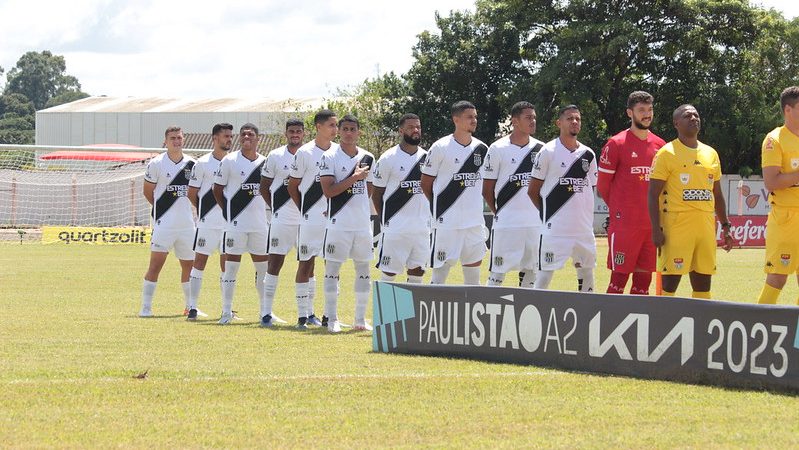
[245, 208]
[203, 176]
[405, 207]
[350, 210]
[277, 167]
[172, 208]
[512, 165]
[306, 169]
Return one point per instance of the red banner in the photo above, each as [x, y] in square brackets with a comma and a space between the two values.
[746, 231]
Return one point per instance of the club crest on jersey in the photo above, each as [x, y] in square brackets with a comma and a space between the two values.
[441, 255]
[331, 248]
[229, 242]
[478, 159]
[498, 260]
[794, 163]
[678, 262]
[603, 157]
[770, 143]
[710, 178]
[685, 178]
[785, 259]
[385, 260]
[201, 242]
[304, 249]
[187, 172]
[586, 165]
[275, 242]
[549, 257]
[618, 258]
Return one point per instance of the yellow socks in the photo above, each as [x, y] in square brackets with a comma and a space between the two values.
[703, 295]
[769, 295]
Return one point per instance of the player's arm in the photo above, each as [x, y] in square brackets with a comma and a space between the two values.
[534, 192]
[370, 189]
[607, 171]
[427, 186]
[720, 206]
[377, 199]
[775, 179]
[488, 193]
[149, 191]
[331, 188]
[193, 195]
[653, 204]
[294, 191]
[266, 183]
[219, 195]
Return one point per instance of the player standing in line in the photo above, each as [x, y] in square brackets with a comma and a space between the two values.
[285, 223]
[685, 184]
[564, 174]
[517, 224]
[623, 183]
[306, 192]
[452, 183]
[166, 187]
[237, 190]
[210, 222]
[780, 161]
[347, 184]
[400, 203]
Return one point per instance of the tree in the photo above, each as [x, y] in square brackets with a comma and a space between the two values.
[40, 76]
[17, 119]
[66, 97]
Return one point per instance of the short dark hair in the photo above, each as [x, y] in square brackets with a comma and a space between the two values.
[678, 112]
[221, 126]
[295, 123]
[323, 116]
[461, 106]
[518, 107]
[563, 109]
[350, 118]
[248, 126]
[406, 117]
[639, 97]
[789, 97]
[172, 129]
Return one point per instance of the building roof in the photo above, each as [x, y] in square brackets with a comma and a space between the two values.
[177, 105]
[205, 140]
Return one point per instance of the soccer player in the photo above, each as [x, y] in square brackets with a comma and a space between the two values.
[564, 174]
[285, 223]
[237, 191]
[347, 183]
[506, 175]
[780, 161]
[684, 185]
[210, 222]
[306, 192]
[166, 187]
[401, 205]
[623, 183]
[451, 181]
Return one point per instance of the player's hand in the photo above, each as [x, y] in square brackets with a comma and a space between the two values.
[728, 242]
[361, 172]
[658, 238]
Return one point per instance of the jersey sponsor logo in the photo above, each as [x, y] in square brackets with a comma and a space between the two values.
[573, 181]
[697, 195]
[466, 176]
[519, 179]
[685, 178]
[177, 187]
[642, 172]
[337, 203]
[408, 187]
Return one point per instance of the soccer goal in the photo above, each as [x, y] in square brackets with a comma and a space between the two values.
[74, 186]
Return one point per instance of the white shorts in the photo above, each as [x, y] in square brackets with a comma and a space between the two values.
[514, 249]
[340, 246]
[240, 242]
[400, 250]
[448, 246]
[555, 250]
[282, 238]
[309, 240]
[208, 240]
[164, 239]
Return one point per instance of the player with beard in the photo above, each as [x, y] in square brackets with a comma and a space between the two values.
[623, 183]
[210, 222]
[401, 205]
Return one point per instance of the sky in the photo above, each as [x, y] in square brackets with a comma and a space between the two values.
[237, 48]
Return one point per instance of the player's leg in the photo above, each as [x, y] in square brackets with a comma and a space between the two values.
[618, 259]
[703, 262]
[496, 266]
[361, 255]
[234, 246]
[553, 253]
[584, 256]
[334, 252]
[676, 254]
[385, 259]
[647, 263]
[157, 260]
[529, 263]
[417, 259]
[782, 253]
[472, 253]
[442, 242]
[256, 246]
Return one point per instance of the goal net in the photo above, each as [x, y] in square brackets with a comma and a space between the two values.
[74, 186]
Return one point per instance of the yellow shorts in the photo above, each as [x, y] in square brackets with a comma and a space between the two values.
[690, 243]
[782, 241]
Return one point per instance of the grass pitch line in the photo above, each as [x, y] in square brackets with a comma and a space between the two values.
[331, 377]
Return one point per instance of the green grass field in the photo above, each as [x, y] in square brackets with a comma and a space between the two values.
[71, 344]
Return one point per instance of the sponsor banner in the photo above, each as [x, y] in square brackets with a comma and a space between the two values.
[746, 196]
[666, 338]
[746, 231]
[95, 235]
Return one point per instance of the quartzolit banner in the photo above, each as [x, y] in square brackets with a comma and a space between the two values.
[680, 339]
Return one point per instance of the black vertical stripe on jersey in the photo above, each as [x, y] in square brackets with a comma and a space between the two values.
[510, 189]
[167, 199]
[453, 190]
[560, 194]
[241, 199]
[280, 197]
[312, 196]
[399, 198]
[207, 203]
[337, 203]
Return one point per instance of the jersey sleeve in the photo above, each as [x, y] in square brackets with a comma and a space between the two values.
[196, 178]
[609, 158]
[435, 156]
[593, 171]
[491, 165]
[298, 165]
[660, 166]
[268, 169]
[541, 165]
[380, 174]
[151, 172]
[716, 166]
[326, 167]
[370, 176]
[221, 178]
[771, 152]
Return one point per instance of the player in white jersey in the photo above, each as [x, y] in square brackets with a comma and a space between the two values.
[166, 186]
[516, 228]
[347, 184]
[237, 191]
[564, 176]
[285, 223]
[401, 205]
[210, 222]
[452, 182]
[306, 191]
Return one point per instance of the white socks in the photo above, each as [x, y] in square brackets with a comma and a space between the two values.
[415, 279]
[229, 285]
[186, 292]
[301, 294]
[440, 274]
[386, 277]
[147, 292]
[495, 279]
[311, 296]
[195, 283]
[585, 279]
[543, 279]
[471, 275]
[528, 281]
[260, 275]
[363, 282]
[270, 286]
[332, 270]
